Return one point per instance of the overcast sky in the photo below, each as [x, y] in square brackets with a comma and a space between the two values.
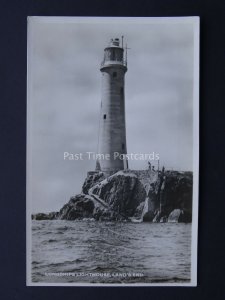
[64, 93]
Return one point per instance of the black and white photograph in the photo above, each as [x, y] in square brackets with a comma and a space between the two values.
[112, 151]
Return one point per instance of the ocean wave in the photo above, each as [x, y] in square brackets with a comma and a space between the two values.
[65, 246]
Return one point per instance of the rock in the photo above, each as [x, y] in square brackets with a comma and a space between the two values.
[40, 216]
[175, 215]
[79, 207]
[98, 212]
[143, 195]
[172, 190]
[177, 193]
[123, 192]
[87, 207]
[103, 214]
[163, 219]
[92, 179]
[186, 217]
[53, 215]
[157, 217]
[178, 215]
[43, 216]
[148, 217]
[139, 210]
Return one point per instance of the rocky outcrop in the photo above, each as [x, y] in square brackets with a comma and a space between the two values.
[178, 215]
[92, 179]
[167, 192]
[79, 207]
[43, 216]
[148, 216]
[138, 196]
[85, 206]
[177, 192]
[123, 192]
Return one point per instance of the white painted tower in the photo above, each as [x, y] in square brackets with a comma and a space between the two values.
[112, 127]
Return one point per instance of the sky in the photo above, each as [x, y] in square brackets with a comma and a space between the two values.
[64, 94]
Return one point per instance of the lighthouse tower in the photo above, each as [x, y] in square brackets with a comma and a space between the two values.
[112, 127]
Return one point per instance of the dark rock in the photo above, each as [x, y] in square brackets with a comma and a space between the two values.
[148, 217]
[91, 180]
[163, 219]
[79, 207]
[157, 217]
[178, 215]
[123, 192]
[43, 216]
[139, 210]
[103, 214]
[142, 195]
[177, 193]
[98, 212]
[172, 190]
[186, 217]
[40, 216]
[53, 215]
[175, 215]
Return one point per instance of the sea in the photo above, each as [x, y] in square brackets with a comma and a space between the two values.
[92, 252]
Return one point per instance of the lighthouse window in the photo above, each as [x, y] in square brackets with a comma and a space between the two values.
[114, 74]
[123, 146]
[121, 91]
[104, 117]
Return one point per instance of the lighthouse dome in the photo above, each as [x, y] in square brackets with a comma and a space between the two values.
[115, 42]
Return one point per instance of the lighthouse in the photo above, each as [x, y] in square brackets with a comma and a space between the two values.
[112, 125]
